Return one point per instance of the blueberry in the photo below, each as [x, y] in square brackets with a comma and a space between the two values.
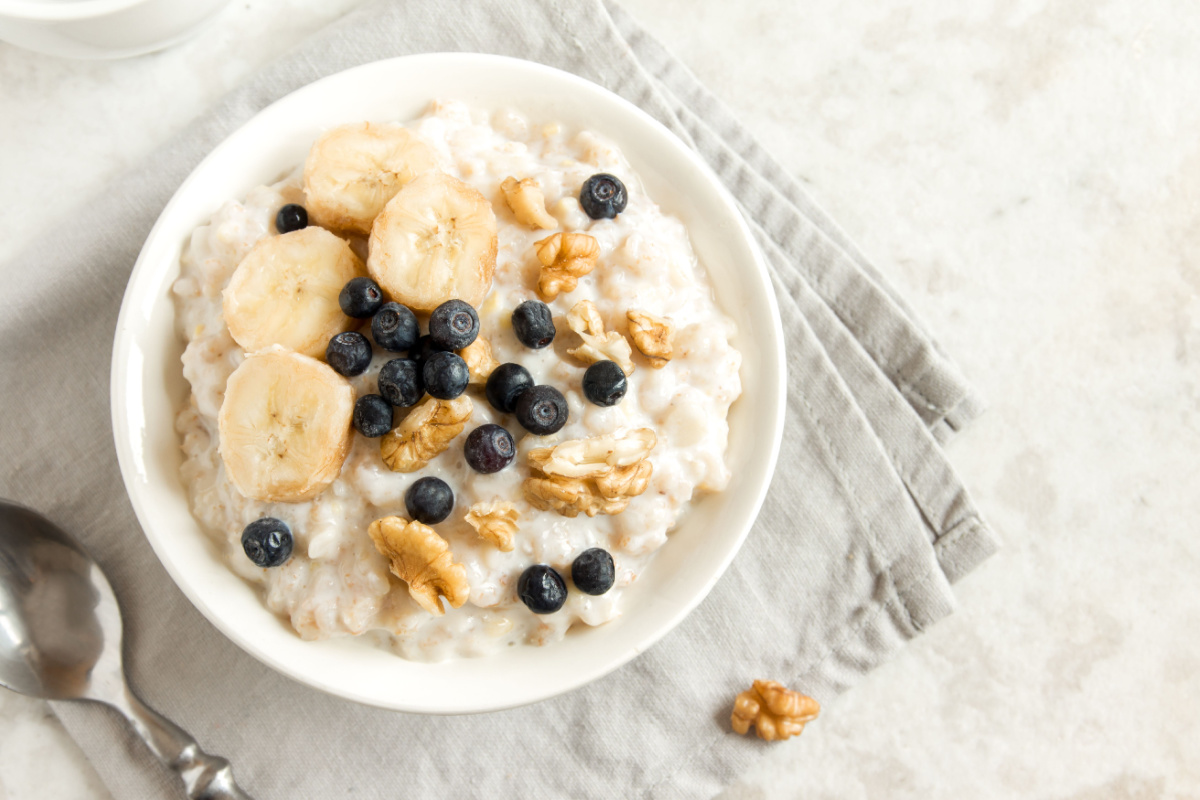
[400, 382]
[372, 416]
[395, 327]
[267, 542]
[349, 353]
[360, 298]
[542, 589]
[593, 571]
[604, 383]
[291, 217]
[603, 196]
[532, 324]
[453, 325]
[423, 349]
[429, 500]
[542, 410]
[505, 385]
[446, 375]
[489, 449]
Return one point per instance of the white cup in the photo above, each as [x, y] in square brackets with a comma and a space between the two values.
[101, 28]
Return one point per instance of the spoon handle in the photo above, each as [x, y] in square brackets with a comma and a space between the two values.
[205, 777]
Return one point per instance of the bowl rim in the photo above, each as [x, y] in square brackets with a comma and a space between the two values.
[38, 10]
[124, 343]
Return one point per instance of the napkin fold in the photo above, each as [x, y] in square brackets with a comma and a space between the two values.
[863, 531]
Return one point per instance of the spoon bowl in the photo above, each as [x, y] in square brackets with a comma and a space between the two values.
[60, 639]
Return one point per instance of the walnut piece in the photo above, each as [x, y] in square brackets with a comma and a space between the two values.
[775, 712]
[424, 433]
[565, 258]
[422, 559]
[598, 475]
[495, 522]
[594, 456]
[625, 482]
[527, 202]
[480, 361]
[598, 345]
[651, 336]
[570, 496]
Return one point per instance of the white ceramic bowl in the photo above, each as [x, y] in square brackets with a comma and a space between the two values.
[101, 28]
[148, 387]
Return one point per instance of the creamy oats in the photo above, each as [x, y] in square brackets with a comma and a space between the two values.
[336, 582]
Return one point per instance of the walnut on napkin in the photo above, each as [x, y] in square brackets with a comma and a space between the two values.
[775, 712]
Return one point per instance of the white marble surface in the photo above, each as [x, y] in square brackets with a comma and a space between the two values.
[1028, 172]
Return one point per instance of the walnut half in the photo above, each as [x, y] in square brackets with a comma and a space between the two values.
[422, 559]
[598, 475]
[565, 258]
[424, 433]
[598, 344]
[651, 336]
[594, 456]
[495, 522]
[775, 712]
[527, 202]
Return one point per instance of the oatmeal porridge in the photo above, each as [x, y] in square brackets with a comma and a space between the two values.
[630, 347]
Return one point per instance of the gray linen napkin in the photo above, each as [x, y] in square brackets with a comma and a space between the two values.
[864, 528]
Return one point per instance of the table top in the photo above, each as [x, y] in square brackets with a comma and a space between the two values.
[1026, 174]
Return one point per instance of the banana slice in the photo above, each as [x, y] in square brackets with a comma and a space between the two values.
[286, 289]
[434, 241]
[284, 426]
[352, 172]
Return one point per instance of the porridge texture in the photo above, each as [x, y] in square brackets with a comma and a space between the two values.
[644, 283]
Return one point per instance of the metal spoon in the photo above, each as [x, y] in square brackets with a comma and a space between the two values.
[60, 639]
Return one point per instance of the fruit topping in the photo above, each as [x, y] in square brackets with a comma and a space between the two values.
[424, 433]
[604, 383]
[446, 375]
[453, 325]
[505, 385]
[267, 542]
[652, 336]
[372, 416]
[434, 241]
[394, 327]
[353, 171]
[542, 410]
[361, 298]
[542, 589]
[284, 426]
[285, 292]
[429, 500]
[489, 448]
[291, 217]
[593, 572]
[495, 522]
[423, 349]
[421, 558]
[349, 353]
[598, 344]
[527, 203]
[565, 258]
[400, 382]
[533, 324]
[603, 196]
